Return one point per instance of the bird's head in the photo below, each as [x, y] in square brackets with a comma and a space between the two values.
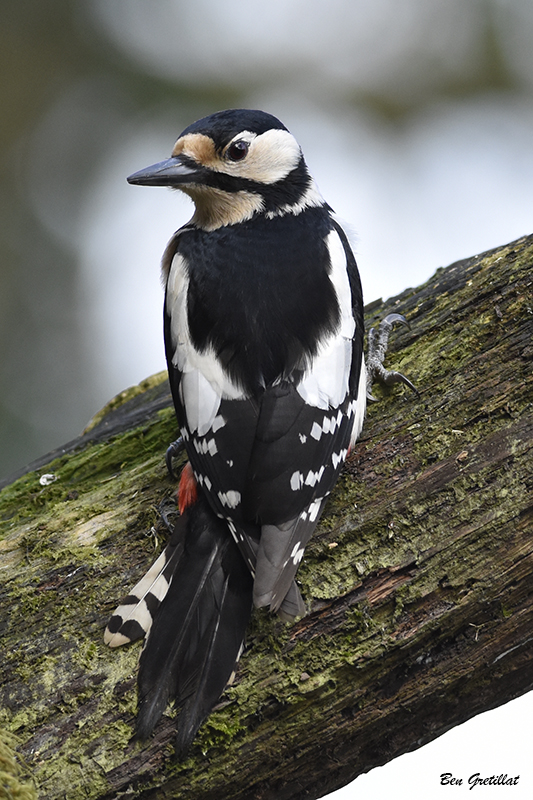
[235, 164]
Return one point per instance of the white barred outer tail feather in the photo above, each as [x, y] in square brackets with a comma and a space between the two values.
[134, 616]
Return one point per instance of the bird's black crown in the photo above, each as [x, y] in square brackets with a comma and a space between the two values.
[222, 126]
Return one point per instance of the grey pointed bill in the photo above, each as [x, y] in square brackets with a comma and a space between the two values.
[165, 173]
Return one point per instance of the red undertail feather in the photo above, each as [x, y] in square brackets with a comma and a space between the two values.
[188, 489]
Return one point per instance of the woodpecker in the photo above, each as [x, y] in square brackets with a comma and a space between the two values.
[263, 327]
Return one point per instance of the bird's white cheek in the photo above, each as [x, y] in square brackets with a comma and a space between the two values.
[272, 156]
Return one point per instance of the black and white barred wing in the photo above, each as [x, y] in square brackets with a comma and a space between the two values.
[289, 497]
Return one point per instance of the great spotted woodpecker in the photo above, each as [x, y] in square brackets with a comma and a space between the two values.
[264, 344]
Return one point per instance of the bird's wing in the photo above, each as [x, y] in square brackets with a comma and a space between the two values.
[304, 434]
[293, 469]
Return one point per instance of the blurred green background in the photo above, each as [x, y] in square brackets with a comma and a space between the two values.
[415, 117]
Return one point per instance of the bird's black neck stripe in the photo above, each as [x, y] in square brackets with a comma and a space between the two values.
[288, 191]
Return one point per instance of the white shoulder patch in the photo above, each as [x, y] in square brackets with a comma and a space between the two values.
[349, 231]
[204, 382]
[325, 383]
[359, 408]
[339, 278]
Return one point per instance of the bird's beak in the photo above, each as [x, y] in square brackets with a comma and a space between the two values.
[171, 172]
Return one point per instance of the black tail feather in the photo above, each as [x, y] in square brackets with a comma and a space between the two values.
[198, 631]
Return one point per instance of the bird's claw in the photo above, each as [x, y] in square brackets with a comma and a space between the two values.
[173, 451]
[377, 347]
[167, 510]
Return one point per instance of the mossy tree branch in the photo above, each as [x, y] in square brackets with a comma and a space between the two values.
[419, 580]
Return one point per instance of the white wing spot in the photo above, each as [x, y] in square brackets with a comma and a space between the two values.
[297, 481]
[205, 446]
[231, 498]
[203, 480]
[337, 458]
[316, 431]
[311, 512]
[314, 477]
[314, 508]
[297, 557]
[328, 424]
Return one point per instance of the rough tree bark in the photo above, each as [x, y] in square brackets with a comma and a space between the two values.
[419, 579]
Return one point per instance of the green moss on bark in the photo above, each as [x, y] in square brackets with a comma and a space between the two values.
[418, 580]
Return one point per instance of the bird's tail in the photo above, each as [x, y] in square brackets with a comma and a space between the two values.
[197, 629]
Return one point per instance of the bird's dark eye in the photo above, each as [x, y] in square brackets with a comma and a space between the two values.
[237, 151]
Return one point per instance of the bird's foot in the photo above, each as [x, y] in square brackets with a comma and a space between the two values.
[173, 451]
[378, 341]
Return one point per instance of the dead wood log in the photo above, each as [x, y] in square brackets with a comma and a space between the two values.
[419, 580]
